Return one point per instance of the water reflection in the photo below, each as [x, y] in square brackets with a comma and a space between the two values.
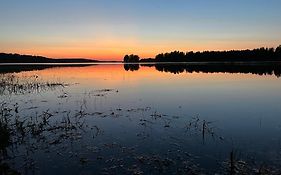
[140, 120]
[131, 67]
[32, 67]
[245, 68]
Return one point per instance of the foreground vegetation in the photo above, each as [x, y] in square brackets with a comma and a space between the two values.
[31, 133]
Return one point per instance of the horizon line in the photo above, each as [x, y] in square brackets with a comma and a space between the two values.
[121, 59]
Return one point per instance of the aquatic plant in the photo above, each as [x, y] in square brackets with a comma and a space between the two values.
[13, 84]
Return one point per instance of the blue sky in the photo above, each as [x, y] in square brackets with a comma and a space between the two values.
[111, 28]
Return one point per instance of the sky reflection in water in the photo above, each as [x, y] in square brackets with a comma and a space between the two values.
[143, 111]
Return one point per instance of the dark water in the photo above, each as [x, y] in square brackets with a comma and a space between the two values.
[141, 119]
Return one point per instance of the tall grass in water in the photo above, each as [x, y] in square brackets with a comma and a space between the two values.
[13, 84]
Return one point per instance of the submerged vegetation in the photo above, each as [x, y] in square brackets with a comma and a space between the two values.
[12, 84]
[112, 140]
[24, 137]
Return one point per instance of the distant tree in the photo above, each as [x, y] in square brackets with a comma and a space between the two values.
[135, 58]
[278, 51]
[126, 58]
[147, 60]
[159, 57]
[131, 58]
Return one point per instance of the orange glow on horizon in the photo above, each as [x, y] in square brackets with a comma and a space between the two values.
[111, 50]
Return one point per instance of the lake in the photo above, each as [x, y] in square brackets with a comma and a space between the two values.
[140, 119]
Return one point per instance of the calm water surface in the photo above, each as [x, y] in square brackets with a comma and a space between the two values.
[111, 119]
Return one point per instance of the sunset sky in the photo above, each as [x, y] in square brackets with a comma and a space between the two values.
[109, 29]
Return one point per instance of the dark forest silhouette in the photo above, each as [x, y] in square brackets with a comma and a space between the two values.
[131, 58]
[17, 58]
[260, 54]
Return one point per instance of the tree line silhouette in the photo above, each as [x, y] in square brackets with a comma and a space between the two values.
[260, 54]
[17, 58]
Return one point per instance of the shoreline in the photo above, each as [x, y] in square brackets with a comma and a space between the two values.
[147, 63]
